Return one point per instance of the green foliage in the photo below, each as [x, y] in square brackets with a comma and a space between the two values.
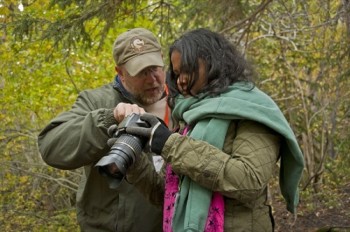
[54, 49]
[336, 176]
[304, 72]
[32, 201]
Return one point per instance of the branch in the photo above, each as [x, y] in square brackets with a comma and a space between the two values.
[71, 78]
[60, 181]
[249, 20]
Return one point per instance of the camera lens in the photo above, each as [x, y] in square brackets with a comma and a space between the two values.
[126, 149]
[123, 153]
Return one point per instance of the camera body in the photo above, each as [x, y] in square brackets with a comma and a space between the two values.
[124, 152]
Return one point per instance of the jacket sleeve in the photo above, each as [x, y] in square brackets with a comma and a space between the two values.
[77, 137]
[150, 183]
[241, 171]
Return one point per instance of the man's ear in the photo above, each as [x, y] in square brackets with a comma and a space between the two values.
[119, 72]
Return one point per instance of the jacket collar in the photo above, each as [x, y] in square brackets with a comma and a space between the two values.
[117, 85]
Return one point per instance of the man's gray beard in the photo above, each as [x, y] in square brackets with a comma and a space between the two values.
[149, 101]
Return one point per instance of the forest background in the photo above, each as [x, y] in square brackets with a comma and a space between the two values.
[50, 50]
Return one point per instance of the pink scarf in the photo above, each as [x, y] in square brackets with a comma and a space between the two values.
[215, 220]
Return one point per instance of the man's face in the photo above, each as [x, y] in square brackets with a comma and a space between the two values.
[147, 86]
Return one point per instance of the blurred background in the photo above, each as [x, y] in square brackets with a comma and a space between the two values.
[50, 50]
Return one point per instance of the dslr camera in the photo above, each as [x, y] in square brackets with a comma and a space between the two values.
[125, 150]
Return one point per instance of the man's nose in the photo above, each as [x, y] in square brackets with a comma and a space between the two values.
[151, 75]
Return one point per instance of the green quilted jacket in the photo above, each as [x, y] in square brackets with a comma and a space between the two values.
[258, 136]
[242, 177]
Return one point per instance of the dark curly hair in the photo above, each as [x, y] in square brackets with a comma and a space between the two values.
[225, 65]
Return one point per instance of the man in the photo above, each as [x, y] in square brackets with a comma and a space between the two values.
[78, 138]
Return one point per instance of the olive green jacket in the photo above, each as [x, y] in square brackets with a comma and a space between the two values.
[77, 138]
[241, 172]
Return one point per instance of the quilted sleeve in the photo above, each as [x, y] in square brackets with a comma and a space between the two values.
[240, 171]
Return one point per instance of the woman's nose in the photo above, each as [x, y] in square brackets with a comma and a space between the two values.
[182, 84]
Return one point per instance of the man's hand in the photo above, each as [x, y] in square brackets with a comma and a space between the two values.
[157, 134]
[122, 110]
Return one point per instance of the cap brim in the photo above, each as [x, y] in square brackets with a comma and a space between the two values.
[135, 65]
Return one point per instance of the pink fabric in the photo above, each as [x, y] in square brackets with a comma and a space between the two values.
[171, 189]
[215, 220]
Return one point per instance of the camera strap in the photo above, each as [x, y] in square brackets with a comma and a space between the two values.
[166, 115]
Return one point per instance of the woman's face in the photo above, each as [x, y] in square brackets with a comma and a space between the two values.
[184, 78]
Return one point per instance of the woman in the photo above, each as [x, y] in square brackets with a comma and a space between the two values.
[230, 137]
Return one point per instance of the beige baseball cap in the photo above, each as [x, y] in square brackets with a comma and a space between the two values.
[137, 49]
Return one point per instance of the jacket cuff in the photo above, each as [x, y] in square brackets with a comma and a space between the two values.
[168, 145]
[109, 119]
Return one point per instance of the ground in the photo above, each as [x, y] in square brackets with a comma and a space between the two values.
[315, 216]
